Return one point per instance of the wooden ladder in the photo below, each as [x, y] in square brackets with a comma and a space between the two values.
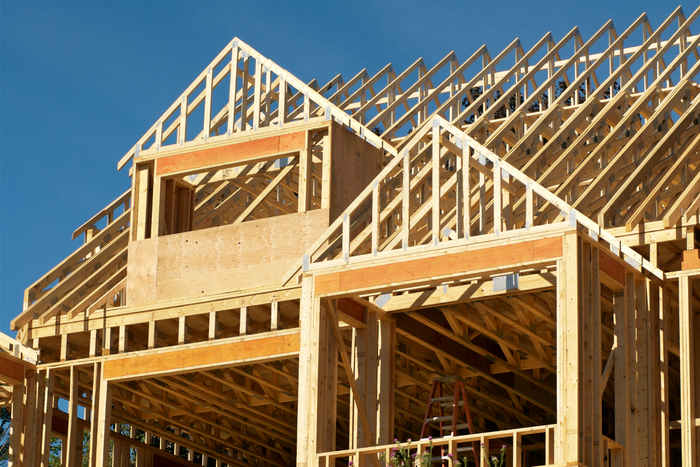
[445, 402]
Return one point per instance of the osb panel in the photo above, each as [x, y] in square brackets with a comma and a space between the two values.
[141, 271]
[354, 164]
[234, 257]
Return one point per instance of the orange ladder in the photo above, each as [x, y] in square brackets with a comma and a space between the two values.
[438, 398]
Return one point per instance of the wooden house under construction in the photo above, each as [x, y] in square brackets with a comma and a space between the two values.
[501, 250]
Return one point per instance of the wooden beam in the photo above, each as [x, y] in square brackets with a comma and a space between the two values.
[257, 348]
[434, 267]
[271, 147]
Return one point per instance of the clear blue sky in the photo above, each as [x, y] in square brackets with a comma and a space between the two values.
[80, 82]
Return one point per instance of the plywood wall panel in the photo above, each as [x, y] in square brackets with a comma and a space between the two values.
[224, 259]
[141, 278]
[355, 163]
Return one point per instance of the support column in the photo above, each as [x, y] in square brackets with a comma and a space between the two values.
[104, 419]
[75, 442]
[96, 386]
[596, 334]
[664, 338]
[327, 384]
[309, 308]
[653, 384]
[587, 393]
[568, 437]
[686, 317]
[386, 374]
[622, 403]
[16, 426]
[364, 367]
[630, 352]
[642, 414]
[48, 418]
[29, 418]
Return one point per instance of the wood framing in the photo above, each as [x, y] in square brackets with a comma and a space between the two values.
[288, 276]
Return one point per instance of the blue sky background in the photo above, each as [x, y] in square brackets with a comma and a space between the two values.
[80, 82]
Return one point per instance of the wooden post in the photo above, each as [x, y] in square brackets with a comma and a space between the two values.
[642, 414]
[103, 419]
[568, 441]
[243, 325]
[48, 417]
[74, 446]
[687, 376]
[93, 343]
[151, 335]
[587, 393]
[664, 337]
[64, 347]
[621, 401]
[631, 351]
[358, 358]
[29, 418]
[654, 359]
[596, 351]
[385, 378]
[327, 385]
[16, 426]
[117, 453]
[107, 341]
[309, 308]
[182, 330]
[371, 382]
[326, 170]
[305, 170]
[140, 221]
[122, 338]
[274, 315]
[96, 386]
[213, 325]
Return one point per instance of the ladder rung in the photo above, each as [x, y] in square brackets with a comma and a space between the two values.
[447, 378]
[462, 426]
[441, 419]
[441, 399]
[450, 404]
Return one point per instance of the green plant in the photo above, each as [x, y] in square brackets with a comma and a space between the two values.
[401, 455]
[494, 461]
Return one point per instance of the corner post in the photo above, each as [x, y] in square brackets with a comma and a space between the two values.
[568, 442]
[309, 311]
[687, 376]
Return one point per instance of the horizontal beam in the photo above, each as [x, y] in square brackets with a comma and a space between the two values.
[464, 293]
[257, 348]
[231, 153]
[411, 271]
